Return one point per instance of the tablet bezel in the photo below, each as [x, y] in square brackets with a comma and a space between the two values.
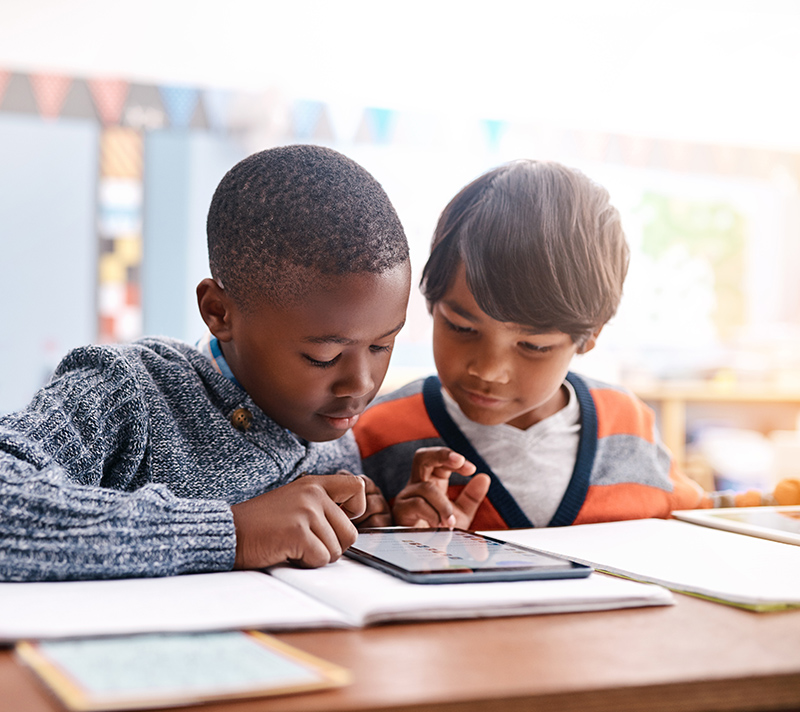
[574, 570]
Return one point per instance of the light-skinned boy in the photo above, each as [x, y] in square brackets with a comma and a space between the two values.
[527, 265]
[160, 458]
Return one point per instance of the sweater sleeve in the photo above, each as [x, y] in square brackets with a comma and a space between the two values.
[70, 505]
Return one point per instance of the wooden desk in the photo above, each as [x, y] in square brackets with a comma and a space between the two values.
[695, 655]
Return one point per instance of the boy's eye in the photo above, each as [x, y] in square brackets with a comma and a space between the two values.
[320, 364]
[378, 349]
[458, 329]
[534, 348]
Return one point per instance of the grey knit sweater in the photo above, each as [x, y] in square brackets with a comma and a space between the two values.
[126, 464]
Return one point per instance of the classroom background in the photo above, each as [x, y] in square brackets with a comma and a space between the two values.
[117, 121]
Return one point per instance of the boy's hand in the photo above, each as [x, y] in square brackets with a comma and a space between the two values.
[305, 522]
[423, 502]
[377, 513]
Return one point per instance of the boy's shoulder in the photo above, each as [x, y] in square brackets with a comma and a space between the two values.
[161, 347]
[408, 390]
[154, 355]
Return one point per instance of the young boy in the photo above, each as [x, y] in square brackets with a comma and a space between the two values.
[159, 458]
[526, 267]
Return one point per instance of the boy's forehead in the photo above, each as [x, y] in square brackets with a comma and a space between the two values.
[339, 309]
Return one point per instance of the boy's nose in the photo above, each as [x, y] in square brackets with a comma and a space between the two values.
[489, 365]
[356, 381]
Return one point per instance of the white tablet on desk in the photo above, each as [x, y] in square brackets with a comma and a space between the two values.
[776, 523]
[456, 556]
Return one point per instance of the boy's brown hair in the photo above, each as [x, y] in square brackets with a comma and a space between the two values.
[541, 244]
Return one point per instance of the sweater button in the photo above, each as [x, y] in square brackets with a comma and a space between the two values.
[241, 419]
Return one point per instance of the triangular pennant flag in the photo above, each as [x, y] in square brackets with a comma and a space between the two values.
[381, 121]
[50, 91]
[495, 128]
[305, 116]
[180, 103]
[109, 98]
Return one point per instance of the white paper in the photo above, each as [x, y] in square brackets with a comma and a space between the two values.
[198, 602]
[685, 557]
[368, 596]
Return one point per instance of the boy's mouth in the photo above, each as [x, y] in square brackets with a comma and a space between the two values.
[341, 422]
[482, 400]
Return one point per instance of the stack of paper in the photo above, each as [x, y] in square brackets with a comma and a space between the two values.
[730, 568]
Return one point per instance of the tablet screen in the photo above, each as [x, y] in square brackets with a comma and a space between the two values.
[443, 553]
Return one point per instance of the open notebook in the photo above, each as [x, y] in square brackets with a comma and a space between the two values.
[345, 594]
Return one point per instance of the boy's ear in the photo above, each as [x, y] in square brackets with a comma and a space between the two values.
[216, 308]
[591, 342]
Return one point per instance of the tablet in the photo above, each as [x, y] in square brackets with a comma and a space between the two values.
[779, 523]
[456, 556]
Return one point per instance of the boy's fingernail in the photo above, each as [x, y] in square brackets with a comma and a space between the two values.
[451, 521]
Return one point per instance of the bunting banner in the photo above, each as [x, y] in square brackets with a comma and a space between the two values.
[116, 102]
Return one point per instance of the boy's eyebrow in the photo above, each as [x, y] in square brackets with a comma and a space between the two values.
[469, 316]
[333, 339]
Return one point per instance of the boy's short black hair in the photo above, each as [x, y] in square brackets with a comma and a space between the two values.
[288, 215]
[541, 244]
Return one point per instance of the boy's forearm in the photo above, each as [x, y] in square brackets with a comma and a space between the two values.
[54, 530]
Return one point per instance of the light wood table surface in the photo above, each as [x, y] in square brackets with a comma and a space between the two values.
[694, 656]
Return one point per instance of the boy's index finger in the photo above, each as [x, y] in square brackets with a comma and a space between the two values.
[440, 463]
